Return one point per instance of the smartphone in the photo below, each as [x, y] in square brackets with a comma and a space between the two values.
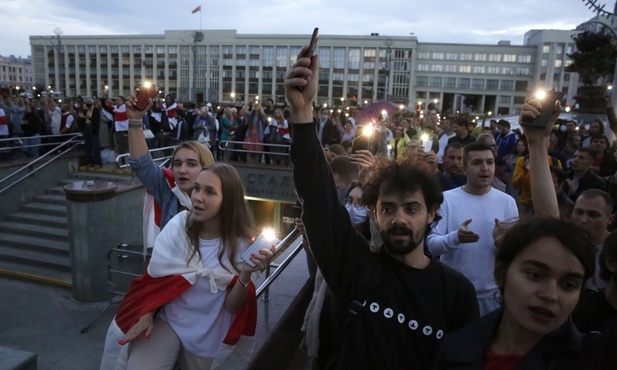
[548, 107]
[145, 93]
[313, 43]
[360, 141]
[264, 241]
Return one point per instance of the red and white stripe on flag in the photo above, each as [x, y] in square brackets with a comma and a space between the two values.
[198, 9]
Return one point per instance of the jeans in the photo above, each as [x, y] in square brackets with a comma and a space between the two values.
[92, 145]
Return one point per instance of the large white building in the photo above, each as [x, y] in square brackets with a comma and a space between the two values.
[16, 74]
[222, 65]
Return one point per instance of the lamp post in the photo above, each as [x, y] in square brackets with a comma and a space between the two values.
[388, 43]
[59, 32]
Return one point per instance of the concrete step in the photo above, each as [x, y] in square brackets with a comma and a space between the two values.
[59, 199]
[34, 257]
[20, 242]
[124, 176]
[39, 219]
[34, 230]
[56, 190]
[39, 274]
[46, 209]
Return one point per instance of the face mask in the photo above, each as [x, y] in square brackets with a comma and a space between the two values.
[76, 106]
[563, 128]
[357, 215]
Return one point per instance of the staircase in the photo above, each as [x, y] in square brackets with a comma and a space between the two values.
[34, 242]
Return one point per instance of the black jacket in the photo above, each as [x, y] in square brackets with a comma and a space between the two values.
[564, 349]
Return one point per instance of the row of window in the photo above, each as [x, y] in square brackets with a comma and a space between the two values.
[471, 83]
[493, 70]
[476, 57]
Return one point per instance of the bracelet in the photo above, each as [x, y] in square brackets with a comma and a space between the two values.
[133, 124]
[246, 285]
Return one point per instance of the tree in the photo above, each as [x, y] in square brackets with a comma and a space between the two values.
[595, 57]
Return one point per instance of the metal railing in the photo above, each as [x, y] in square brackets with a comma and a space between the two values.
[122, 251]
[30, 168]
[122, 159]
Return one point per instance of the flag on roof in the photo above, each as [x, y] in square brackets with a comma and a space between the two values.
[198, 9]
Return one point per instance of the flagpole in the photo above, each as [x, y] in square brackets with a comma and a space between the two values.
[200, 18]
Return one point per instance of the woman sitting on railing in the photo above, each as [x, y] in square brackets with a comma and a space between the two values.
[196, 303]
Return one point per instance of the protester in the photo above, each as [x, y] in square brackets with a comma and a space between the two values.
[393, 306]
[540, 267]
[196, 303]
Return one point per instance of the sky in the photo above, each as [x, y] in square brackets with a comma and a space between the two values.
[448, 21]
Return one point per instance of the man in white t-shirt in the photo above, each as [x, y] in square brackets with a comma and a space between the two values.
[464, 236]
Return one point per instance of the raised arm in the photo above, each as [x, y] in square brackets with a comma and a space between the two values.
[137, 141]
[543, 191]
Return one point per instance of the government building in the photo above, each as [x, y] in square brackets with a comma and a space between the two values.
[224, 66]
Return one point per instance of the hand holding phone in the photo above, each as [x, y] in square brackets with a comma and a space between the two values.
[144, 94]
[548, 108]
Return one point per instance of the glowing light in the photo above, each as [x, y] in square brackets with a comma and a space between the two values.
[424, 137]
[540, 94]
[338, 111]
[147, 84]
[435, 101]
[256, 97]
[568, 109]
[325, 105]
[342, 99]
[490, 113]
[368, 130]
[401, 107]
[269, 119]
[346, 114]
[233, 95]
[268, 234]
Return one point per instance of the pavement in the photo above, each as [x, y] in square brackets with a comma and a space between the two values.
[47, 321]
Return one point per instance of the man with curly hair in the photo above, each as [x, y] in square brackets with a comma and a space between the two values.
[390, 308]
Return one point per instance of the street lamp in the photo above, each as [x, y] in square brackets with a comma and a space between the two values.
[59, 32]
[388, 43]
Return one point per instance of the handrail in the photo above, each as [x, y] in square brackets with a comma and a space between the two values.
[76, 138]
[122, 158]
[269, 145]
[280, 249]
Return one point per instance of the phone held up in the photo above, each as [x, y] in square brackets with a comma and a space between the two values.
[313, 43]
[143, 94]
[363, 139]
[548, 100]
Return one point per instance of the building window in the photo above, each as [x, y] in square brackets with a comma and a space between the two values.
[546, 49]
[354, 59]
[435, 82]
[423, 67]
[506, 85]
[479, 57]
[451, 68]
[424, 55]
[451, 56]
[449, 82]
[463, 83]
[437, 67]
[509, 58]
[324, 58]
[466, 56]
[544, 63]
[281, 57]
[422, 81]
[477, 84]
[521, 85]
[504, 99]
[339, 58]
[479, 69]
[524, 58]
[438, 56]
[558, 63]
[494, 58]
[464, 69]
[492, 84]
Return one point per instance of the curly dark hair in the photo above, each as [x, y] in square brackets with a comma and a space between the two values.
[408, 174]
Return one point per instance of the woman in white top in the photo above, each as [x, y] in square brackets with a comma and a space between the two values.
[203, 246]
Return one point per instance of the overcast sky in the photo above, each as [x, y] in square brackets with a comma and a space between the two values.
[467, 21]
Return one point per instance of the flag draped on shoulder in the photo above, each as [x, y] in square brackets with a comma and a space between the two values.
[198, 9]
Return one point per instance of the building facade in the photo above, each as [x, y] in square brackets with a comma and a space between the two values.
[223, 66]
[16, 74]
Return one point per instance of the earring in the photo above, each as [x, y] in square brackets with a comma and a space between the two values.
[498, 296]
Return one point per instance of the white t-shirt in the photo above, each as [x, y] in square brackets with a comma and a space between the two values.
[197, 316]
[474, 260]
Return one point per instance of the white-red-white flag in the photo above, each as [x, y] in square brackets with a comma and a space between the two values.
[198, 9]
